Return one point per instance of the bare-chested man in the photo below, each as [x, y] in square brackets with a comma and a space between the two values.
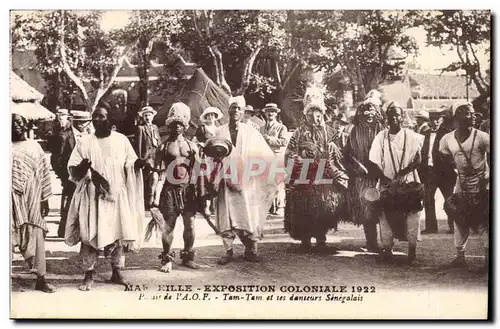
[177, 156]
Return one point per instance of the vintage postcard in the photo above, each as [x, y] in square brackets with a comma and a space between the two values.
[250, 164]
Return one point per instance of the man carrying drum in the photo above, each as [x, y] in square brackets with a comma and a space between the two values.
[396, 153]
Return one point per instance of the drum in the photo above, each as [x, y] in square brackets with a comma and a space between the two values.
[217, 147]
[371, 194]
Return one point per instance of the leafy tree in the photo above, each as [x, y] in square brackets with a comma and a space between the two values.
[151, 30]
[468, 32]
[72, 52]
[227, 43]
[366, 46]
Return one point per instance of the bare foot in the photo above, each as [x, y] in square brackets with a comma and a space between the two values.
[88, 280]
[166, 268]
[86, 285]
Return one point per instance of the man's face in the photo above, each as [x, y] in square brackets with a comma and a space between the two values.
[465, 117]
[18, 127]
[368, 114]
[338, 125]
[100, 120]
[271, 115]
[148, 117]
[394, 117]
[420, 121]
[434, 123]
[235, 112]
[315, 115]
[80, 125]
[176, 128]
[63, 119]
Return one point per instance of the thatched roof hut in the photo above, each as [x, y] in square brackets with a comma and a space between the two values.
[25, 100]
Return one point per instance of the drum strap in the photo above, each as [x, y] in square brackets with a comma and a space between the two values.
[396, 171]
[468, 158]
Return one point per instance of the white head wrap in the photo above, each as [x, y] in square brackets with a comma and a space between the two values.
[179, 112]
[240, 100]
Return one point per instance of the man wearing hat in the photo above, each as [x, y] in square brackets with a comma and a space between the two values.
[339, 124]
[238, 213]
[422, 118]
[274, 134]
[147, 139]
[435, 171]
[63, 143]
[250, 118]
[177, 157]
[82, 123]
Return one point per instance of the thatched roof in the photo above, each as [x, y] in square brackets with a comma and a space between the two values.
[25, 100]
[21, 91]
[31, 111]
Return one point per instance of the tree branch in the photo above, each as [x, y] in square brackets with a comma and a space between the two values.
[103, 90]
[247, 70]
[216, 67]
[223, 83]
[276, 70]
[285, 83]
[67, 69]
[480, 75]
[196, 27]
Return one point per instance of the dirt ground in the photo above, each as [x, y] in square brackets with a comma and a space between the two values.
[281, 263]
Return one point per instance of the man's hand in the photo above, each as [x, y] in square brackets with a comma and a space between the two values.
[44, 208]
[81, 169]
[139, 164]
[384, 180]
[84, 165]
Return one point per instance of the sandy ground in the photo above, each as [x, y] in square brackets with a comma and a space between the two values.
[427, 281]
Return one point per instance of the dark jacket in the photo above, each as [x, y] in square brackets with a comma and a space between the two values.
[61, 146]
[442, 164]
[145, 147]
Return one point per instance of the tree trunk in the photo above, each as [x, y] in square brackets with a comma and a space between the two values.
[216, 75]
[220, 66]
[247, 71]
[143, 73]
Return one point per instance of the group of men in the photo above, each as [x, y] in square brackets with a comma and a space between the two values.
[108, 183]
[432, 156]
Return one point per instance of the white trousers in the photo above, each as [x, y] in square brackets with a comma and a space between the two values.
[412, 229]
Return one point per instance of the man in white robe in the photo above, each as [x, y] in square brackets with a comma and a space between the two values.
[243, 203]
[104, 217]
[396, 153]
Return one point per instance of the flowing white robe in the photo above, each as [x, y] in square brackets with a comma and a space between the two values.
[99, 222]
[246, 209]
[381, 155]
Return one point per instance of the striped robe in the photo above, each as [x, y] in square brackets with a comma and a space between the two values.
[30, 186]
[355, 154]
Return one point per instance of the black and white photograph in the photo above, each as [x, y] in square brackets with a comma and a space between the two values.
[250, 164]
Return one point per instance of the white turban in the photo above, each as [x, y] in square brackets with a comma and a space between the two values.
[179, 112]
[240, 100]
